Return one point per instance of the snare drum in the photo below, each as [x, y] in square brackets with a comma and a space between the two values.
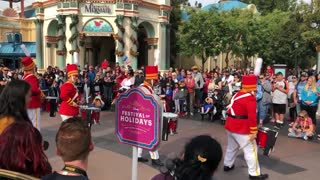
[51, 105]
[172, 120]
[262, 137]
[266, 138]
[90, 114]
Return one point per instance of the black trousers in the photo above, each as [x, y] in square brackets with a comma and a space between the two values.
[311, 110]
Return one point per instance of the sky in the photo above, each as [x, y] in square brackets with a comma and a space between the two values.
[5, 4]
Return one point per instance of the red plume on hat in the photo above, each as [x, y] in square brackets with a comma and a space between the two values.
[27, 61]
[72, 69]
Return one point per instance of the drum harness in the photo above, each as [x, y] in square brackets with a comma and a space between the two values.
[231, 104]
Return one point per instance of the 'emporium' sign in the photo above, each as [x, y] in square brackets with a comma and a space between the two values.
[96, 8]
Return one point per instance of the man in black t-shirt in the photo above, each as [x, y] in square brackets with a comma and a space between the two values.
[74, 143]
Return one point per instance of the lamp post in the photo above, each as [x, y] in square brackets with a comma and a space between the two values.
[215, 61]
[315, 25]
[296, 45]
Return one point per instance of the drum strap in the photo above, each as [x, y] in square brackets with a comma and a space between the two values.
[26, 77]
[76, 95]
[235, 99]
[74, 169]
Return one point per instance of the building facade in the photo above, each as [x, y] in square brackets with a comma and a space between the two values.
[14, 32]
[130, 32]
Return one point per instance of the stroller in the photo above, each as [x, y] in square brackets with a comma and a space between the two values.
[220, 103]
[208, 109]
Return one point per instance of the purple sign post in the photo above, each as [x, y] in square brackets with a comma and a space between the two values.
[138, 118]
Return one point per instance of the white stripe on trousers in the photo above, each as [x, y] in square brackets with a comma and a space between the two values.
[34, 116]
[237, 142]
[153, 154]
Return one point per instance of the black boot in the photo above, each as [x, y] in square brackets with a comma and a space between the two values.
[157, 162]
[261, 176]
[141, 159]
[226, 168]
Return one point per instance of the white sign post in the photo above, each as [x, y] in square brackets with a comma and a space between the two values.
[138, 115]
[134, 163]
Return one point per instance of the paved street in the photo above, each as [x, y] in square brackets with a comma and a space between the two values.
[292, 159]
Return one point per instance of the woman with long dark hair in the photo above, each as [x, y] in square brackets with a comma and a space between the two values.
[201, 158]
[14, 100]
[22, 151]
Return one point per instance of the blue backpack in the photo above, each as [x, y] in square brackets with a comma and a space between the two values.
[259, 92]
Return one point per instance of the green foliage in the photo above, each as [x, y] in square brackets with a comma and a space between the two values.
[200, 35]
[175, 22]
[268, 6]
[271, 35]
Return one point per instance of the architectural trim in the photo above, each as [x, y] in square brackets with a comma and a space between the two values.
[139, 2]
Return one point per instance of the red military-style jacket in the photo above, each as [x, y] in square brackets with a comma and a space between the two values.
[244, 120]
[35, 90]
[68, 95]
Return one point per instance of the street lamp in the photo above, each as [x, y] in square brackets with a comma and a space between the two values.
[296, 45]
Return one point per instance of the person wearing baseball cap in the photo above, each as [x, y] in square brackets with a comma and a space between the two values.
[298, 90]
[36, 94]
[69, 94]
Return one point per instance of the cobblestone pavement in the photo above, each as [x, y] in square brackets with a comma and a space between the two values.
[293, 159]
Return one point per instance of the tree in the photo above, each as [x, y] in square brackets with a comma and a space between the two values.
[250, 42]
[199, 35]
[272, 36]
[267, 6]
[175, 21]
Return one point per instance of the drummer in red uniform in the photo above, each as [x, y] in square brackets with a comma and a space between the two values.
[35, 103]
[241, 126]
[69, 94]
[151, 74]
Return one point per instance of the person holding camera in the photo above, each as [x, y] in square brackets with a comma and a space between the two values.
[4, 76]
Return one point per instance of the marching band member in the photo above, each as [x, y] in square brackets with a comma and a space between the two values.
[153, 154]
[241, 126]
[36, 94]
[151, 73]
[69, 94]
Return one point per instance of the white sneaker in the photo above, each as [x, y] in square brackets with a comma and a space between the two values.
[305, 137]
[191, 114]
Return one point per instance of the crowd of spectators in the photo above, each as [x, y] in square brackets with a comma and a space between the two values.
[184, 91]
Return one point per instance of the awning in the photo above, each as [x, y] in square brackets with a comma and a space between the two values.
[13, 50]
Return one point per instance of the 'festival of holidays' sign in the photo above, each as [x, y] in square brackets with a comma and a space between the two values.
[138, 119]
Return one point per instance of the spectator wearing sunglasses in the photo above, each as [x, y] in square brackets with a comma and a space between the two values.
[4, 77]
[302, 127]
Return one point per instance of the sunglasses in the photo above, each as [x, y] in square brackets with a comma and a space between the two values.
[301, 116]
[260, 77]
[294, 77]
